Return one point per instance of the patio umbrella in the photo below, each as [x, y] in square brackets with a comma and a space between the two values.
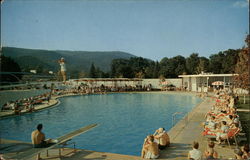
[218, 83]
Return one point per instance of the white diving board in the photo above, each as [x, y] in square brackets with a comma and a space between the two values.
[34, 151]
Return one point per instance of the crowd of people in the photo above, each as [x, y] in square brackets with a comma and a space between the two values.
[154, 143]
[242, 153]
[28, 104]
[222, 121]
[222, 124]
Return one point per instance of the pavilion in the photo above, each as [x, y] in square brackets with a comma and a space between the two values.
[206, 81]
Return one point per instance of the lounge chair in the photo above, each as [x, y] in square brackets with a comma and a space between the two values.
[231, 134]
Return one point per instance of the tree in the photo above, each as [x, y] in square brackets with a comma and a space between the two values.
[215, 63]
[180, 63]
[242, 68]
[172, 67]
[156, 70]
[120, 68]
[9, 65]
[92, 72]
[203, 65]
[192, 62]
[229, 61]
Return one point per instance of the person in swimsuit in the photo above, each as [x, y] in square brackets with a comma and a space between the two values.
[162, 138]
[151, 149]
[63, 68]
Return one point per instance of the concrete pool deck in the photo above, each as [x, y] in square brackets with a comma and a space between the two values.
[182, 135]
[189, 129]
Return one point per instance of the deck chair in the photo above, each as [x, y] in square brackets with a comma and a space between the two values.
[231, 134]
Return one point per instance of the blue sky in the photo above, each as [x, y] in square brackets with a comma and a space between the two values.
[149, 28]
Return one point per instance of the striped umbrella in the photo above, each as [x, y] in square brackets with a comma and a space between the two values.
[218, 83]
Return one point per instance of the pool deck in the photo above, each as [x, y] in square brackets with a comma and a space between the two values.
[181, 135]
[189, 129]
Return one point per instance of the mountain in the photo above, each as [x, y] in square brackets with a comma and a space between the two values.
[46, 60]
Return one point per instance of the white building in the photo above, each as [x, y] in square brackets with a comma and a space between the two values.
[204, 82]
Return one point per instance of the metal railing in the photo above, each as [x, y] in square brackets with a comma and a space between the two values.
[179, 113]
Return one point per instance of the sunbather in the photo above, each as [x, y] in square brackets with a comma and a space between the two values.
[162, 138]
[146, 142]
[222, 133]
[151, 150]
[38, 138]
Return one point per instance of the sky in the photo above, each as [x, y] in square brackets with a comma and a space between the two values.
[151, 29]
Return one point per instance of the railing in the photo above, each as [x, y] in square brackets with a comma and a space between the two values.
[179, 113]
[26, 79]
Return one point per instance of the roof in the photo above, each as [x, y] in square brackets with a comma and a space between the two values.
[208, 75]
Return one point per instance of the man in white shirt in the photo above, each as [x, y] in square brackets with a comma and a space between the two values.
[195, 153]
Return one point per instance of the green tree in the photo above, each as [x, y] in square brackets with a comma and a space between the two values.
[192, 62]
[92, 71]
[215, 63]
[118, 68]
[203, 65]
[230, 59]
[180, 65]
[172, 67]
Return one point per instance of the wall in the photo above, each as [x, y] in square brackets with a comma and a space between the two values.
[156, 82]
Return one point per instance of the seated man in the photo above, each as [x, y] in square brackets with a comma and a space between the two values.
[38, 138]
[195, 154]
[162, 138]
[151, 149]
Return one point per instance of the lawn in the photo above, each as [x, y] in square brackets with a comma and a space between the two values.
[245, 115]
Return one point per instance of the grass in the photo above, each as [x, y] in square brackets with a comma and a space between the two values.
[245, 115]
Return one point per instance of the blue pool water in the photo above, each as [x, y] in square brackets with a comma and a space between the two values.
[124, 119]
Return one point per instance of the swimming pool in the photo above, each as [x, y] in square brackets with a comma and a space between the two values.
[124, 119]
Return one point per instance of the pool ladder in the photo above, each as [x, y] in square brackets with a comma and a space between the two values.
[174, 117]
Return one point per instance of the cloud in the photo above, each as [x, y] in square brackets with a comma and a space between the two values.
[241, 4]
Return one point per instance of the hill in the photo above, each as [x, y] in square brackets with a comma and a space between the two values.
[45, 60]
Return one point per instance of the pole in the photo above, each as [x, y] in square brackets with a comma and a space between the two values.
[1, 28]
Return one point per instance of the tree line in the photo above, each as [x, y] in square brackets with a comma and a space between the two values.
[138, 67]
[229, 61]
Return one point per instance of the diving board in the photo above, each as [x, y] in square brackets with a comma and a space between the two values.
[34, 151]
